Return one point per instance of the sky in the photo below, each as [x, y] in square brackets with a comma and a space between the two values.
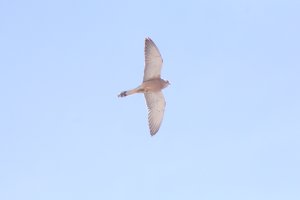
[231, 128]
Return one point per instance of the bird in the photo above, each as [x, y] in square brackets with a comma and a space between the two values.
[152, 86]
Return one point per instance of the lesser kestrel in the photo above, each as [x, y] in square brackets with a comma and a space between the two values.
[152, 86]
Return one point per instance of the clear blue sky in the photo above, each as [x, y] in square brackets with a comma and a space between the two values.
[232, 123]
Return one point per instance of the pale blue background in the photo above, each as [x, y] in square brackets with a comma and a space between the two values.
[232, 123]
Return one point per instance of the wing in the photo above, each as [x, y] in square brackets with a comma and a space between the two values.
[156, 106]
[153, 61]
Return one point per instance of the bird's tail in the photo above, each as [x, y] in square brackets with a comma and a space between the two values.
[130, 92]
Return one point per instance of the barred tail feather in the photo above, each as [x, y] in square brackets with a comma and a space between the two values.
[129, 92]
[123, 94]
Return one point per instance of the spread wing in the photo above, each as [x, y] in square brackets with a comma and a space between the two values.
[156, 106]
[153, 61]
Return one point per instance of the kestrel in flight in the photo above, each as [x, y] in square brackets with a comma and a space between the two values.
[152, 86]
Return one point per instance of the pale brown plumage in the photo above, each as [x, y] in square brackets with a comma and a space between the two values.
[152, 86]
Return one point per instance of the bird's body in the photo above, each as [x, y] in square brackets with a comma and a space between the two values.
[154, 85]
[151, 86]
